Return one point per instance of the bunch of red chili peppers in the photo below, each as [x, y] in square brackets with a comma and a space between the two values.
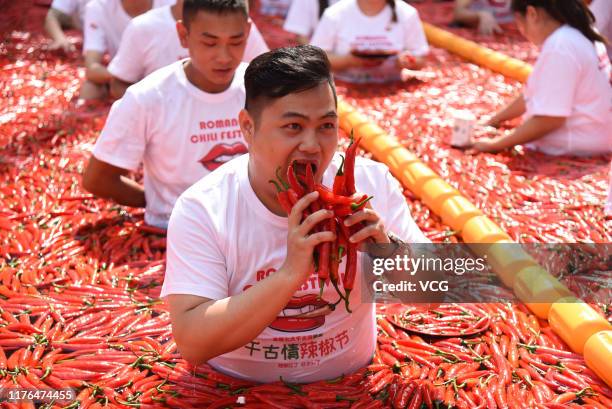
[343, 200]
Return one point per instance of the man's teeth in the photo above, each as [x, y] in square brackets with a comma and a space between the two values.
[291, 312]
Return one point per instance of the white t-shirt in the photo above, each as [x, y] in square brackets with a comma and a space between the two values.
[105, 21]
[501, 9]
[602, 9]
[74, 8]
[303, 17]
[567, 82]
[179, 132]
[344, 28]
[275, 7]
[150, 42]
[222, 240]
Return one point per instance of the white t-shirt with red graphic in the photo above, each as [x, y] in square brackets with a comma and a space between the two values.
[177, 131]
[105, 21]
[500, 9]
[150, 42]
[74, 8]
[222, 240]
[303, 17]
[344, 28]
[568, 81]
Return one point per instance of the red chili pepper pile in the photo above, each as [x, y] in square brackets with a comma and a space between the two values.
[80, 277]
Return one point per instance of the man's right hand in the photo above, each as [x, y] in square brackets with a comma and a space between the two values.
[487, 24]
[302, 240]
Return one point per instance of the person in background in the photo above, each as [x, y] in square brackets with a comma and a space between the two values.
[487, 15]
[567, 101]
[303, 17]
[180, 122]
[602, 10]
[150, 42]
[64, 14]
[371, 40]
[105, 21]
[608, 208]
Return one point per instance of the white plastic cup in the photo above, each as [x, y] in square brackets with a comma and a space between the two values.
[463, 128]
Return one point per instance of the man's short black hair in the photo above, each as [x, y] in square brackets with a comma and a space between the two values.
[191, 8]
[285, 71]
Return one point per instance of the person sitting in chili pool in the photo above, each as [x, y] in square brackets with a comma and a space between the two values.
[240, 281]
[150, 42]
[372, 40]
[181, 121]
[567, 100]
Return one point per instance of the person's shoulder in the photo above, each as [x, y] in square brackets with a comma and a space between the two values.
[158, 83]
[151, 20]
[567, 40]
[405, 11]
[375, 174]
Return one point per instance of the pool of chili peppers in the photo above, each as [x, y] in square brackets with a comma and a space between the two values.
[80, 277]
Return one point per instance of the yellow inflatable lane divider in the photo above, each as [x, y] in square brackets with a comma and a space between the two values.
[483, 56]
[517, 269]
[575, 322]
[597, 354]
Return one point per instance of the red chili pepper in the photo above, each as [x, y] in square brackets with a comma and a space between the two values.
[350, 273]
[282, 197]
[293, 182]
[349, 166]
[338, 187]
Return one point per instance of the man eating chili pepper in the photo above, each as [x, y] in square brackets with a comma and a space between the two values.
[240, 280]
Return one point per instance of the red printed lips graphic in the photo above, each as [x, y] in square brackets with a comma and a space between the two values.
[302, 314]
[222, 153]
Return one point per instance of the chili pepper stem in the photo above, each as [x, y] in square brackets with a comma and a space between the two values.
[346, 301]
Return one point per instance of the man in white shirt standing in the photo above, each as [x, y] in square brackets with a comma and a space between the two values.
[239, 281]
[150, 42]
[105, 21]
[181, 122]
[64, 14]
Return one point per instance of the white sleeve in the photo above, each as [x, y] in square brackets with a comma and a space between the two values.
[68, 7]
[415, 41]
[554, 85]
[128, 63]
[398, 218]
[94, 37]
[195, 264]
[123, 139]
[325, 33]
[299, 18]
[256, 45]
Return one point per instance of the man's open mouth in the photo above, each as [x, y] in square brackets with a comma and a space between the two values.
[222, 153]
[300, 167]
[302, 314]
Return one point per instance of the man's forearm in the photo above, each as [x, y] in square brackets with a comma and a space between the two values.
[98, 73]
[53, 26]
[534, 128]
[338, 62]
[118, 87]
[122, 190]
[513, 110]
[217, 327]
